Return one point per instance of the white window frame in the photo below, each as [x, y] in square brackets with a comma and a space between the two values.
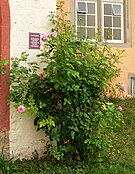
[100, 17]
[113, 2]
[96, 16]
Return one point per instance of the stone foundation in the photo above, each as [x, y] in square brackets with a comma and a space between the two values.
[4, 144]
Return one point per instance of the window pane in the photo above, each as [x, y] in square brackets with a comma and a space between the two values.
[81, 6]
[107, 9]
[90, 20]
[81, 32]
[91, 8]
[81, 20]
[90, 32]
[108, 21]
[117, 21]
[117, 9]
[108, 34]
[117, 34]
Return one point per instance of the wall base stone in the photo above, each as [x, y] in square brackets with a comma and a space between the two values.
[4, 144]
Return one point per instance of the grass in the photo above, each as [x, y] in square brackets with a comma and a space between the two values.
[122, 160]
[125, 136]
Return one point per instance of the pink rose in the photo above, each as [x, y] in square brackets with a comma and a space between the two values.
[123, 87]
[44, 37]
[120, 108]
[53, 34]
[21, 108]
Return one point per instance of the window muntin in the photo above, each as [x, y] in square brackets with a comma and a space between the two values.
[86, 18]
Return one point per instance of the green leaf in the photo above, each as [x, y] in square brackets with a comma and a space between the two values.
[72, 134]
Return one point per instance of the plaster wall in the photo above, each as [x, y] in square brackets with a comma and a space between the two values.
[128, 60]
[26, 16]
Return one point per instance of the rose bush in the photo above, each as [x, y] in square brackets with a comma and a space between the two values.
[68, 98]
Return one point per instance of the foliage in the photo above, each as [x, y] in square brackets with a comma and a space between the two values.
[2, 66]
[122, 162]
[48, 167]
[124, 150]
[68, 98]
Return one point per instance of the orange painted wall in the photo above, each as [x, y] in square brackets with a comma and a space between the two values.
[66, 5]
[128, 61]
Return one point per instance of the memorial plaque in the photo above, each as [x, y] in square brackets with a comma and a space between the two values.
[34, 40]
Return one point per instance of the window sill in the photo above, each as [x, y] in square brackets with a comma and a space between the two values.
[120, 45]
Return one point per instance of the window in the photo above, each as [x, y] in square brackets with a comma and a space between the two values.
[111, 17]
[86, 18]
[113, 24]
[131, 85]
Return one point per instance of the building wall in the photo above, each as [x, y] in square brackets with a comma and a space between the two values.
[26, 16]
[31, 16]
[128, 61]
